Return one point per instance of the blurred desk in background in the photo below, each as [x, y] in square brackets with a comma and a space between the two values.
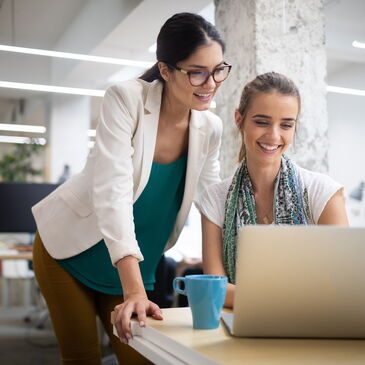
[15, 265]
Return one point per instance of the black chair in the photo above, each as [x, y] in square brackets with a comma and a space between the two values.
[163, 294]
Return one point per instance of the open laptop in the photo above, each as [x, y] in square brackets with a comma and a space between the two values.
[299, 281]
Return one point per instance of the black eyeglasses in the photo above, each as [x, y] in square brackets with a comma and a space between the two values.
[200, 77]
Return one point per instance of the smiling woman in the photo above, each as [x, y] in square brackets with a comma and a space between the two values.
[102, 232]
[267, 187]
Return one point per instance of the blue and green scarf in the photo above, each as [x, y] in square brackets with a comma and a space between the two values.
[290, 207]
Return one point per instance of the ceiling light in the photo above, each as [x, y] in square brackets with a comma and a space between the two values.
[357, 44]
[345, 90]
[51, 89]
[76, 56]
[91, 133]
[100, 93]
[22, 128]
[22, 140]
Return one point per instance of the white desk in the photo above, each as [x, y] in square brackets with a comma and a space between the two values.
[173, 341]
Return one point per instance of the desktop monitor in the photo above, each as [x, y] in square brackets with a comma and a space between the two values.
[16, 200]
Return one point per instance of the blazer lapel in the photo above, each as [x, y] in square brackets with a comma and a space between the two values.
[196, 156]
[150, 126]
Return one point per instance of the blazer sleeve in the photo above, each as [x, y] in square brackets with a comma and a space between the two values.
[113, 175]
[211, 168]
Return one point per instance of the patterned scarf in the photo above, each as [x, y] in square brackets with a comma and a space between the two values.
[290, 207]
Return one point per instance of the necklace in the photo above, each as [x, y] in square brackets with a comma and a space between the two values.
[266, 219]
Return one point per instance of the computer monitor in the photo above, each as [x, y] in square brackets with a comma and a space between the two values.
[16, 200]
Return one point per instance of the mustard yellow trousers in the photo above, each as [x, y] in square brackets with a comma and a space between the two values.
[73, 308]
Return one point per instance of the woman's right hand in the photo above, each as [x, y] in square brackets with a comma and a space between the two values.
[137, 304]
[135, 299]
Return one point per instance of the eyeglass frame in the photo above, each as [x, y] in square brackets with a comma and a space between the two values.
[188, 72]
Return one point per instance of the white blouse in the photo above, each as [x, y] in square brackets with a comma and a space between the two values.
[320, 189]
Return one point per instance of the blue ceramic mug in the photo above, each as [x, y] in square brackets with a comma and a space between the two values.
[206, 294]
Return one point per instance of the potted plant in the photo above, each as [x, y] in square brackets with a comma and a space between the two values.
[17, 166]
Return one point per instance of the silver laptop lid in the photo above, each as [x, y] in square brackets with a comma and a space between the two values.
[300, 281]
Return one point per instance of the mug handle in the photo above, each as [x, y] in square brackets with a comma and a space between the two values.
[175, 284]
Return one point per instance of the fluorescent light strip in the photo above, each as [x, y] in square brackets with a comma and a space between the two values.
[22, 128]
[357, 44]
[76, 56]
[345, 90]
[97, 92]
[51, 89]
[22, 140]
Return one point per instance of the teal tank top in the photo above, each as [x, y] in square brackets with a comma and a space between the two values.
[155, 213]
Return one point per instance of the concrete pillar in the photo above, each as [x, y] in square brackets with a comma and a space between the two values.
[285, 36]
[70, 120]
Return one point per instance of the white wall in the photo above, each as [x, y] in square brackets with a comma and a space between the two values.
[70, 121]
[347, 139]
[347, 132]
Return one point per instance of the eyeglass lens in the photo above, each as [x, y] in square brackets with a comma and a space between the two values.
[198, 78]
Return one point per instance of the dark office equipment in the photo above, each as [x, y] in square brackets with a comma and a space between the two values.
[16, 200]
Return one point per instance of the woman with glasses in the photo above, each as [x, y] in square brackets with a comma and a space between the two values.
[102, 233]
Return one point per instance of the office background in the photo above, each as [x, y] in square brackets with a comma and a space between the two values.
[53, 100]
[125, 30]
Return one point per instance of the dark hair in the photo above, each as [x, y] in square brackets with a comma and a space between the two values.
[179, 37]
[266, 83]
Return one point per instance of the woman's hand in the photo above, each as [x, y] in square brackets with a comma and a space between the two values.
[135, 299]
[134, 304]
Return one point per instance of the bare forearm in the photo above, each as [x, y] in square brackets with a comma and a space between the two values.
[228, 303]
[130, 276]
[135, 299]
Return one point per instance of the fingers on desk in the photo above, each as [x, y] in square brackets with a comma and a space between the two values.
[122, 322]
[124, 312]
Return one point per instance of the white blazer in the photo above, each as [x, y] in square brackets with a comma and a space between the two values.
[98, 202]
